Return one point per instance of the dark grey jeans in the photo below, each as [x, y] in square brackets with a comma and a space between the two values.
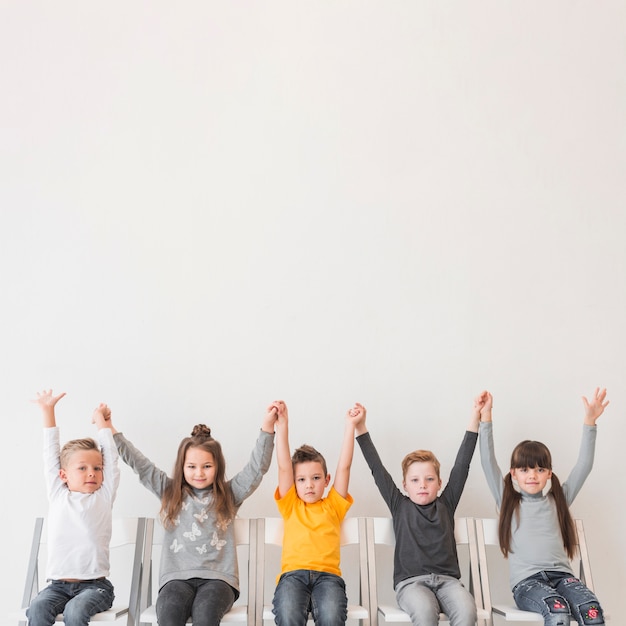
[206, 601]
[78, 601]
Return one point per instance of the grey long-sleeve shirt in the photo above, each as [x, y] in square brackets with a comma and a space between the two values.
[536, 541]
[424, 534]
[197, 547]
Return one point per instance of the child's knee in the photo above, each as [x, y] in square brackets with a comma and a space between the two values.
[557, 604]
[591, 613]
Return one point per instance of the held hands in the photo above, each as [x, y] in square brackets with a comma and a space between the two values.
[595, 407]
[276, 414]
[483, 404]
[101, 416]
[356, 418]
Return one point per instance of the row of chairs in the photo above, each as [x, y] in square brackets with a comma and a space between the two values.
[367, 549]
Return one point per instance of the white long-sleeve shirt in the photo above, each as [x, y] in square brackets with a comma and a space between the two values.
[79, 524]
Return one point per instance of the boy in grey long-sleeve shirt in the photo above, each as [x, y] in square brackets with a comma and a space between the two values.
[426, 568]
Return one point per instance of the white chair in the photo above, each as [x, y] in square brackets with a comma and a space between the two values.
[126, 547]
[244, 609]
[353, 533]
[487, 535]
[380, 533]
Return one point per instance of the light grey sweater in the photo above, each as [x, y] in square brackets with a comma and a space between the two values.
[536, 542]
[197, 547]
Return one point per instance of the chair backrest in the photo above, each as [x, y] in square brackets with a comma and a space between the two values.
[246, 541]
[487, 535]
[125, 551]
[353, 537]
[381, 533]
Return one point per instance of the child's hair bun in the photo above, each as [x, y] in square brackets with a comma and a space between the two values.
[202, 431]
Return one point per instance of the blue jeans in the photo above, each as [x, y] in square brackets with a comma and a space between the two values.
[77, 601]
[205, 600]
[424, 597]
[556, 595]
[302, 591]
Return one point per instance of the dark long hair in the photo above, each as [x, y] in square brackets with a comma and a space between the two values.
[223, 506]
[533, 454]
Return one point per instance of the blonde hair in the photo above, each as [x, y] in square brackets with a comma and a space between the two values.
[74, 446]
[420, 456]
[223, 505]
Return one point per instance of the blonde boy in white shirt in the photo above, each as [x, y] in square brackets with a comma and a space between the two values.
[82, 480]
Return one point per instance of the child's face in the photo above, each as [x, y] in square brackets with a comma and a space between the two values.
[83, 472]
[421, 482]
[310, 481]
[531, 479]
[199, 469]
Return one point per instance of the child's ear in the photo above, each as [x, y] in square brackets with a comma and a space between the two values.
[63, 475]
[327, 480]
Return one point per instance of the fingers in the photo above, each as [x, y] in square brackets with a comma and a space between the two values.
[358, 410]
[278, 409]
[45, 397]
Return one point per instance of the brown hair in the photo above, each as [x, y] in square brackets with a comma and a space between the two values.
[420, 456]
[223, 505]
[306, 454]
[74, 446]
[533, 454]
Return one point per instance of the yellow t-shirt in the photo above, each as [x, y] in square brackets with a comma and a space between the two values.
[312, 535]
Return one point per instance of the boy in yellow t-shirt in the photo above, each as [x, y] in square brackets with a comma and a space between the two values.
[310, 579]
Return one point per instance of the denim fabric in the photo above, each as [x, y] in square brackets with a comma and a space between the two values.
[302, 591]
[557, 594]
[206, 601]
[77, 601]
[424, 597]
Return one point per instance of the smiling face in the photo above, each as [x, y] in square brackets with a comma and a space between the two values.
[421, 482]
[531, 480]
[310, 481]
[199, 468]
[83, 471]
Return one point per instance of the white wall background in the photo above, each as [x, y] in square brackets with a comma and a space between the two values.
[206, 206]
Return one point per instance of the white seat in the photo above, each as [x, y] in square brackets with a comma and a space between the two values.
[487, 535]
[380, 533]
[126, 543]
[245, 537]
[353, 533]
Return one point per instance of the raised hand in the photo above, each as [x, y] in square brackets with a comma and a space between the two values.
[595, 407]
[45, 398]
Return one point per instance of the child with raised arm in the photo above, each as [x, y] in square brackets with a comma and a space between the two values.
[536, 530]
[82, 480]
[426, 573]
[310, 579]
[199, 576]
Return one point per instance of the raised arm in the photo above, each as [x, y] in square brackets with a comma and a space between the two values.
[492, 471]
[47, 402]
[283, 454]
[101, 417]
[342, 475]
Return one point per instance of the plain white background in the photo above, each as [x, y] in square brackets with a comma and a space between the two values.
[207, 206]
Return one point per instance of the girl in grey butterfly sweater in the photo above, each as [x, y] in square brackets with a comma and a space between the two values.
[198, 575]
